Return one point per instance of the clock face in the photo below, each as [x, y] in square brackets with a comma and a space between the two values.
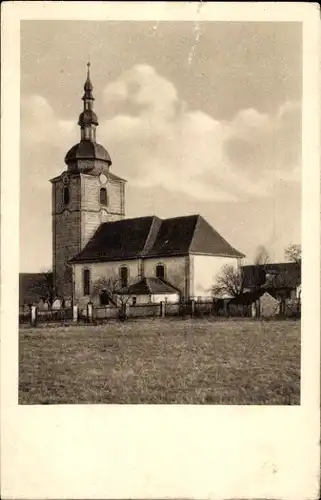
[65, 180]
[103, 178]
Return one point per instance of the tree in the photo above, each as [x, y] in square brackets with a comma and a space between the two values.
[230, 281]
[42, 285]
[112, 286]
[293, 253]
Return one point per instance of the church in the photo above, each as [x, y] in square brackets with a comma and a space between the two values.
[93, 239]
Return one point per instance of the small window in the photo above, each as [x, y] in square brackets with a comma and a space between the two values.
[66, 195]
[160, 271]
[103, 196]
[123, 277]
[86, 281]
[134, 301]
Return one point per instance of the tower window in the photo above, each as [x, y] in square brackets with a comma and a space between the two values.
[86, 281]
[123, 276]
[66, 195]
[103, 196]
[160, 271]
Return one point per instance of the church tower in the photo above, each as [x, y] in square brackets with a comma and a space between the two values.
[85, 195]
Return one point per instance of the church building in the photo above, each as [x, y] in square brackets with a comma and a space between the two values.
[93, 240]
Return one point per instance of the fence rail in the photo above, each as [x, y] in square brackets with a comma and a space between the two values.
[189, 308]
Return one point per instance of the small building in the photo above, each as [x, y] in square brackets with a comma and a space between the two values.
[151, 290]
[255, 304]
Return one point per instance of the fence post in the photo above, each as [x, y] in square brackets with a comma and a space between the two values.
[89, 312]
[33, 315]
[193, 307]
[75, 313]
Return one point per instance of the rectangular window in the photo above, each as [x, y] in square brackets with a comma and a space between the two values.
[86, 281]
[123, 277]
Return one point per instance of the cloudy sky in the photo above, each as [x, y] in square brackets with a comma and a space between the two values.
[199, 118]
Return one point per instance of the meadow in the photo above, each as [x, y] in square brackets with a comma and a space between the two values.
[193, 361]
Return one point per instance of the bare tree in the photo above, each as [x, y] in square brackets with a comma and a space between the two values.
[111, 285]
[230, 281]
[293, 253]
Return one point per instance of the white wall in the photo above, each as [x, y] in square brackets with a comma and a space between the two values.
[154, 299]
[175, 270]
[103, 270]
[204, 270]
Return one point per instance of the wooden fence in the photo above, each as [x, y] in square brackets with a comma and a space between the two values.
[190, 308]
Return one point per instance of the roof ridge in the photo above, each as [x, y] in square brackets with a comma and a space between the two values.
[149, 236]
[148, 285]
[182, 217]
[198, 217]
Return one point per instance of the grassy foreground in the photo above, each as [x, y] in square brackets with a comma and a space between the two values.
[178, 361]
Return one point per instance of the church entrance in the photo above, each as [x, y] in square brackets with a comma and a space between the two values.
[104, 298]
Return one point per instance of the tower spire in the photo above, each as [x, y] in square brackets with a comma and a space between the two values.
[88, 120]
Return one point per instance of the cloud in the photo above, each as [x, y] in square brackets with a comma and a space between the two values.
[155, 139]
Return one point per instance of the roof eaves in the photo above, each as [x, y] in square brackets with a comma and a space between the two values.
[237, 254]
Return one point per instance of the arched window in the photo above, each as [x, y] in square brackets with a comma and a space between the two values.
[86, 281]
[160, 271]
[104, 298]
[103, 196]
[123, 276]
[66, 195]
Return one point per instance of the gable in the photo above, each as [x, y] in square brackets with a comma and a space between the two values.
[174, 236]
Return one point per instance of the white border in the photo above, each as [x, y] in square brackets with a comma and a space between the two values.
[84, 451]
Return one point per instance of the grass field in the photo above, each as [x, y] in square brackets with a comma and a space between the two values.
[178, 361]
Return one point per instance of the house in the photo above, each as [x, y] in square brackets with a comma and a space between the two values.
[152, 258]
[151, 290]
[257, 303]
[281, 280]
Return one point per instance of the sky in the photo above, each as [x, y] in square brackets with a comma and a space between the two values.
[199, 118]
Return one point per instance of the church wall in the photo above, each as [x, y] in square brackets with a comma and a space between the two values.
[115, 198]
[103, 270]
[57, 198]
[205, 269]
[66, 245]
[176, 271]
[90, 221]
[90, 186]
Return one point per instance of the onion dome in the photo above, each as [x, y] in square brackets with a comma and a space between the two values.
[87, 150]
[88, 117]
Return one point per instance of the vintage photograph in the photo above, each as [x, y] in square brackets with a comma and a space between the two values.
[160, 212]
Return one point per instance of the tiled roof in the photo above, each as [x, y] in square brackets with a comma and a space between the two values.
[120, 240]
[278, 275]
[152, 237]
[247, 298]
[150, 286]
